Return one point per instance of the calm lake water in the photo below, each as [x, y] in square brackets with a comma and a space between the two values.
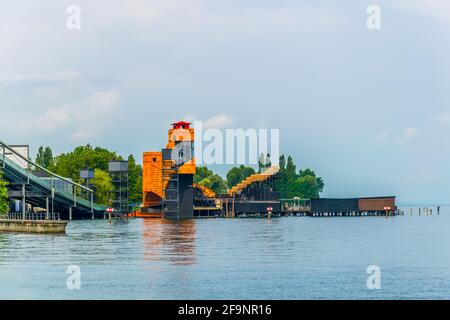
[285, 258]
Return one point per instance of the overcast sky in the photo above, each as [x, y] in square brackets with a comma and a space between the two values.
[368, 110]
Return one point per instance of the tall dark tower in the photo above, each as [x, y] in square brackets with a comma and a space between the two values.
[118, 171]
[178, 169]
[86, 176]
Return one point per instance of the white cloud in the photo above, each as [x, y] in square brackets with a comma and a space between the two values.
[219, 121]
[81, 135]
[90, 110]
[383, 135]
[405, 135]
[443, 118]
[80, 121]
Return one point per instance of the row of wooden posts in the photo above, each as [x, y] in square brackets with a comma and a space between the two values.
[425, 211]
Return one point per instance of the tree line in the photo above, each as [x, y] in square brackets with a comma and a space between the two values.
[70, 164]
[303, 183]
[290, 183]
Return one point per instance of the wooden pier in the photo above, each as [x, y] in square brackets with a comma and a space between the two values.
[31, 223]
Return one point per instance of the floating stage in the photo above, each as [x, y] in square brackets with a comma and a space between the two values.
[227, 207]
[169, 190]
[145, 215]
[207, 212]
[233, 208]
[198, 212]
[147, 212]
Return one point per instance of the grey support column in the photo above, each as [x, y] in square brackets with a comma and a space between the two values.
[47, 207]
[92, 205]
[23, 202]
[53, 196]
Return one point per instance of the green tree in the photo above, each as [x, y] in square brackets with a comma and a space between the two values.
[134, 180]
[282, 162]
[202, 173]
[319, 184]
[281, 184]
[44, 157]
[4, 204]
[238, 174]
[69, 164]
[306, 172]
[40, 156]
[102, 185]
[291, 169]
[305, 184]
[304, 187]
[215, 183]
[209, 179]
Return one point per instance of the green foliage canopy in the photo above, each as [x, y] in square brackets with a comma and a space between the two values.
[237, 174]
[4, 204]
[102, 185]
[209, 179]
[69, 164]
[44, 157]
[304, 184]
[202, 173]
[134, 180]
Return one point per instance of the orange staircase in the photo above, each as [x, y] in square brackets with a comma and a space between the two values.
[257, 177]
[205, 190]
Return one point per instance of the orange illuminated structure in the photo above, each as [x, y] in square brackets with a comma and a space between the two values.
[152, 179]
[181, 145]
[207, 192]
[254, 178]
[168, 176]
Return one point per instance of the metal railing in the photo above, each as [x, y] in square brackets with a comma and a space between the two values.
[30, 216]
[49, 185]
[3, 155]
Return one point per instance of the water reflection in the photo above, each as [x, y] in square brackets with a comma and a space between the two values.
[168, 240]
[4, 246]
